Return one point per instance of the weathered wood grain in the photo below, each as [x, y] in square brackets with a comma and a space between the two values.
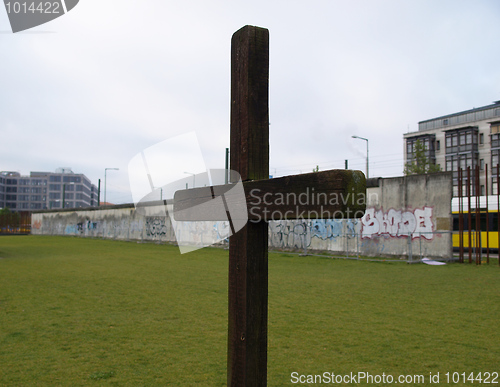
[322, 195]
[248, 273]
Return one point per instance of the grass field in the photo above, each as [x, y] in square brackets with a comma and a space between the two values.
[81, 312]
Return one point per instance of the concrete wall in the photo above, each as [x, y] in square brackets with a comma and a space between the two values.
[405, 215]
[122, 222]
[416, 207]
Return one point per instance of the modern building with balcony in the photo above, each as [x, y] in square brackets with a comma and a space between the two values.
[45, 190]
[460, 140]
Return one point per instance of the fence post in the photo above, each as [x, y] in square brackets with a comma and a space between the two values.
[357, 245]
[346, 233]
[410, 255]
[420, 244]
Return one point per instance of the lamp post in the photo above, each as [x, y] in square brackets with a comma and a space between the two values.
[106, 170]
[367, 163]
[194, 177]
[161, 192]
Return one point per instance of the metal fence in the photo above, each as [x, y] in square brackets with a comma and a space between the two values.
[15, 223]
[477, 214]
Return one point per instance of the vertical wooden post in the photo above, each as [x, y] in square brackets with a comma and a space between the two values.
[498, 211]
[487, 216]
[460, 216]
[469, 213]
[478, 216]
[248, 271]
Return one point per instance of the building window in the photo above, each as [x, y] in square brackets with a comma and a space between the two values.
[461, 140]
[428, 143]
[494, 158]
[462, 153]
[481, 138]
[495, 140]
[438, 145]
[445, 121]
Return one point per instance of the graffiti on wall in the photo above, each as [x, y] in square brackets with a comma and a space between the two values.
[299, 234]
[398, 223]
[81, 227]
[333, 228]
[289, 234]
[202, 233]
[375, 230]
[156, 226]
[87, 225]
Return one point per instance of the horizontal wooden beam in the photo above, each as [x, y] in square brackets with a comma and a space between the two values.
[319, 195]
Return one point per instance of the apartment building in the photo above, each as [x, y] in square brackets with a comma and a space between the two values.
[465, 139]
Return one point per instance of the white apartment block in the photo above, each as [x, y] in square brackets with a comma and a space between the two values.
[466, 139]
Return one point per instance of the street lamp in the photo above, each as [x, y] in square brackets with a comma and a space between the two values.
[105, 170]
[161, 192]
[194, 179]
[362, 138]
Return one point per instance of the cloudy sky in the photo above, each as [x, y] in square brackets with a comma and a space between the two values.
[95, 87]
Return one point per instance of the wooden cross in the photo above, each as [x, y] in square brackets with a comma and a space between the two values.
[329, 194]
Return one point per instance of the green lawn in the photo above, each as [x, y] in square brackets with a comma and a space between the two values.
[82, 312]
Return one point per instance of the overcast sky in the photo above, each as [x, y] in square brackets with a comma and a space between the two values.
[93, 88]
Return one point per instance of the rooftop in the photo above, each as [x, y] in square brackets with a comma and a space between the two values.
[496, 104]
